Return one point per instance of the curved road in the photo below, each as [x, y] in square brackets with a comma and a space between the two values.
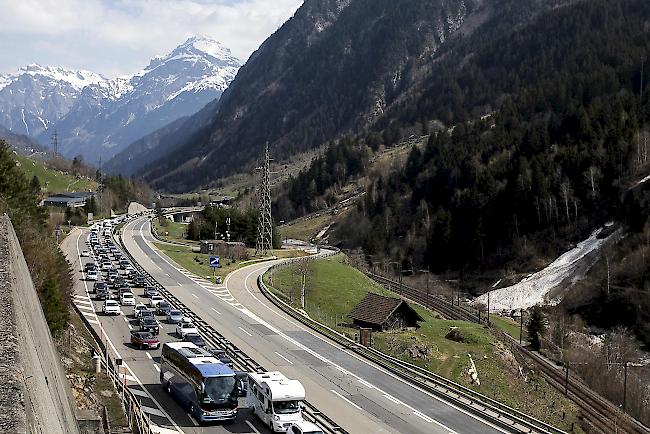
[358, 395]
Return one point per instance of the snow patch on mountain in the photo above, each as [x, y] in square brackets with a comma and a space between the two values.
[536, 289]
[5, 80]
[77, 79]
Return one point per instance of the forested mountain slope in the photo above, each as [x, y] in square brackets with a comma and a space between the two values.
[548, 165]
[335, 68]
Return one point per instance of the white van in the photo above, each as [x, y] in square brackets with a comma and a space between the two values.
[275, 399]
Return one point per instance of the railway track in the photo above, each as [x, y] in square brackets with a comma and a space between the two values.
[431, 301]
[599, 413]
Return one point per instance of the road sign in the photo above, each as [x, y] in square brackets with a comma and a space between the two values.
[215, 262]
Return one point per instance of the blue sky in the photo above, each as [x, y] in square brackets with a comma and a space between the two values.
[117, 37]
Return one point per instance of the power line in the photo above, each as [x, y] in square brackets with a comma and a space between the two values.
[265, 228]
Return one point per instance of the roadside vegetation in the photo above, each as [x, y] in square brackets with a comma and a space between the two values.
[52, 180]
[90, 390]
[171, 231]
[199, 263]
[47, 265]
[333, 288]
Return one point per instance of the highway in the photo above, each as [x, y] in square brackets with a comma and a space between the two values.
[142, 372]
[358, 395]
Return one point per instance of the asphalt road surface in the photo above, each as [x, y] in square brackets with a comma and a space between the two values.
[358, 395]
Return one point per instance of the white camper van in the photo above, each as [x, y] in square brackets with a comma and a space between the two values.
[275, 399]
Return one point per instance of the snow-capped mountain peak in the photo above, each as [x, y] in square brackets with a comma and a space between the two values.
[5, 79]
[200, 47]
[208, 46]
[77, 79]
[99, 116]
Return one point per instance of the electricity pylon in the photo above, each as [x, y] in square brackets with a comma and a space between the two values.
[265, 227]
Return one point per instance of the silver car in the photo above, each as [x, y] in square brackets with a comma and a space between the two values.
[174, 316]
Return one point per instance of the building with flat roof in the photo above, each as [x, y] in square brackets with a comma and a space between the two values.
[72, 200]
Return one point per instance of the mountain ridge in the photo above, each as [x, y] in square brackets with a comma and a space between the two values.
[96, 116]
[351, 61]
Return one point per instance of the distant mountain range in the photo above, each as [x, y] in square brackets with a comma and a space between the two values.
[98, 117]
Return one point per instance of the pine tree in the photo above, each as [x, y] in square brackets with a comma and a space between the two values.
[35, 185]
[536, 328]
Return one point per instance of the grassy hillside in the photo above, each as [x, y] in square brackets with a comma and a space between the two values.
[53, 181]
[333, 288]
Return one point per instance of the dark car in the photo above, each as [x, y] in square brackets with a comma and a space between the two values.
[222, 356]
[145, 314]
[100, 285]
[163, 308]
[144, 340]
[195, 339]
[101, 294]
[90, 266]
[139, 281]
[148, 324]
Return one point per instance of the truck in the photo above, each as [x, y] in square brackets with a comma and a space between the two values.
[275, 399]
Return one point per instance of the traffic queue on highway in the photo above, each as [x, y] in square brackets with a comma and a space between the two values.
[200, 379]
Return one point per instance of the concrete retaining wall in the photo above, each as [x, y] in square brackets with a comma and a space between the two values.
[42, 401]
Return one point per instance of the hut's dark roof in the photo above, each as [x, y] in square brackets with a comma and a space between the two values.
[376, 309]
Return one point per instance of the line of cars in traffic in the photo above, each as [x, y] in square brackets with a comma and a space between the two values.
[114, 281]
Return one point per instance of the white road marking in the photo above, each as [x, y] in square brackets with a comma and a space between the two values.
[126, 320]
[345, 399]
[245, 331]
[423, 416]
[156, 367]
[344, 371]
[92, 321]
[90, 308]
[155, 429]
[194, 295]
[365, 383]
[216, 311]
[150, 410]
[284, 358]
[85, 301]
[130, 326]
[250, 425]
[392, 398]
[138, 392]
[149, 355]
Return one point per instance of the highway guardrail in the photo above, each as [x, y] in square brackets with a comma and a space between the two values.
[478, 404]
